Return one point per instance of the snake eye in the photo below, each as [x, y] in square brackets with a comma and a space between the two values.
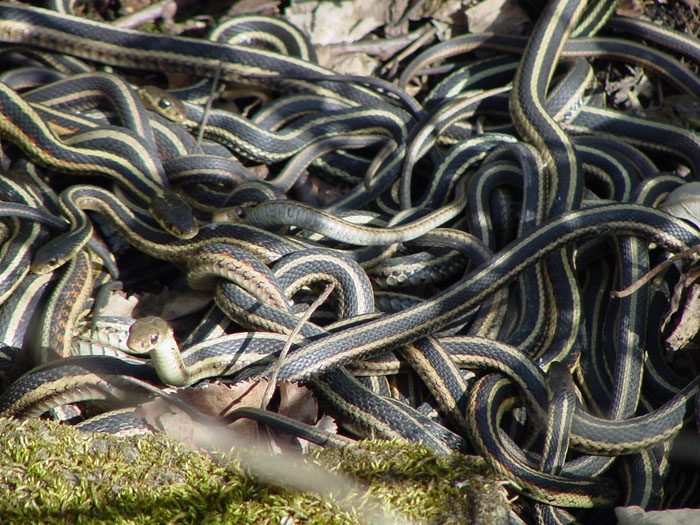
[240, 212]
[165, 103]
[154, 338]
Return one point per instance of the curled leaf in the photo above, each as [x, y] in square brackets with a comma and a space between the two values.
[684, 203]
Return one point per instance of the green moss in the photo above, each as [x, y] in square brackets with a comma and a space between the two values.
[55, 474]
[428, 488]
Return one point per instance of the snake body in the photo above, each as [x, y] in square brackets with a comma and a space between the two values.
[469, 238]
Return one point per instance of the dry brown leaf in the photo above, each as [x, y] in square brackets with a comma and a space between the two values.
[693, 5]
[242, 7]
[212, 400]
[163, 417]
[217, 400]
[297, 402]
[349, 63]
[335, 22]
[498, 16]
[325, 424]
[185, 304]
[178, 426]
[685, 308]
[119, 305]
[626, 91]
[318, 192]
[441, 10]
[171, 304]
[684, 203]
[394, 14]
[447, 11]
[629, 8]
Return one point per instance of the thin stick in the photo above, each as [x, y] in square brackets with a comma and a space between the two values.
[270, 390]
[656, 270]
[392, 66]
[210, 101]
[165, 9]
[387, 46]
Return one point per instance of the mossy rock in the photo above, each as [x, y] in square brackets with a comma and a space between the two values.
[51, 473]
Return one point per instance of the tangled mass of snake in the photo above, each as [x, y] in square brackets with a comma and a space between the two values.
[503, 262]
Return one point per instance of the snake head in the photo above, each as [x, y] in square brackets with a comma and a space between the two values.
[174, 215]
[166, 105]
[54, 254]
[243, 198]
[231, 214]
[148, 333]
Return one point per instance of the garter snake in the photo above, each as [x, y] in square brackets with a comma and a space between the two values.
[368, 337]
[21, 124]
[382, 416]
[564, 181]
[216, 261]
[23, 306]
[617, 49]
[92, 40]
[32, 213]
[668, 38]
[352, 287]
[81, 93]
[628, 218]
[119, 422]
[70, 380]
[555, 490]
[562, 399]
[149, 239]
[65, 305]
[257, 143]
[122, 47]
[645, 221]
[288, 213]
[590, 434]
[153, 335]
